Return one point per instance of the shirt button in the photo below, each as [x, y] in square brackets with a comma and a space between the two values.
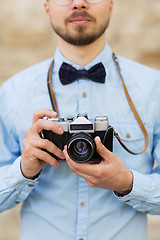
[81, 239]
[128, 135]
[82, 204]
[30, 185]
[84, 94]
[127, 201]
[17, 202]
[146, 211]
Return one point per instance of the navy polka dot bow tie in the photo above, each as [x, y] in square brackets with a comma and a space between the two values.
[69, 74]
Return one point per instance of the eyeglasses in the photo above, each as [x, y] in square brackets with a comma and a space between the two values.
[67, 2]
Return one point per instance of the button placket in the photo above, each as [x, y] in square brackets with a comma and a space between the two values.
[84, 96]
[82, 213]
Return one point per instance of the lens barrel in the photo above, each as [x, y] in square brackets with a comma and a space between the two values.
[81, 147]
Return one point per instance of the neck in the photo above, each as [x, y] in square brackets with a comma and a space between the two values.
[81, 55]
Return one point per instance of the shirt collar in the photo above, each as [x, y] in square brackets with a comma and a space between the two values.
[105, 56]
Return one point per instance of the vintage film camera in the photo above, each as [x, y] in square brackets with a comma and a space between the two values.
[79, 137]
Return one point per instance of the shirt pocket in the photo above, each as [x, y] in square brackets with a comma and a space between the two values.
[131, 135]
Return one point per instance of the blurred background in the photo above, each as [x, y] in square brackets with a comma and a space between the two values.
[27, 38]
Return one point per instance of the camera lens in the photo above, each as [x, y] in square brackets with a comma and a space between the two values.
[81, 147]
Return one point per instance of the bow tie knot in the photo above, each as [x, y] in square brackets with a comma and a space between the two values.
[69, 74]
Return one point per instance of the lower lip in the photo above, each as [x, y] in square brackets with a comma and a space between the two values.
[80, 22]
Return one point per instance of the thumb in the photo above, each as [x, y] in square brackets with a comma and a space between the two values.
[101, 149]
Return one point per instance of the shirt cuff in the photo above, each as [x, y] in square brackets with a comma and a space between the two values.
[141, 193]
[17, 178]
[15, 187]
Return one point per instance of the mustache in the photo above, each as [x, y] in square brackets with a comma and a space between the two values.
[80, 14]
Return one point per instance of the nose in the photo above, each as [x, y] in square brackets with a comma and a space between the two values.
[79, 4]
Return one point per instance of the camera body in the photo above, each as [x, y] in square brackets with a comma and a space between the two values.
[79, 137]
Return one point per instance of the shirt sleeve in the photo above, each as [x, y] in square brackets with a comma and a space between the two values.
[14, 187]
[145, 194]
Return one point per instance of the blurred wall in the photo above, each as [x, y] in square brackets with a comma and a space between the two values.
[26, 38]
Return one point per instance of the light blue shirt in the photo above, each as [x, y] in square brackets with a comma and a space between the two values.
[60, 205]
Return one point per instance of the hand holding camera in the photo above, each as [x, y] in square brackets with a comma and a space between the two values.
[83, 146]
[45, 140]
[33, 157]
[111, 173]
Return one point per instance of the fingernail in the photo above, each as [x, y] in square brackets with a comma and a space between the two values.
[61, 130]
[98, 140]
[53, 112]
[64, 152]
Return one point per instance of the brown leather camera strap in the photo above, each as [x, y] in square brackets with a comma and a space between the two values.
[50, 89]
[134, 112]
[55, 106]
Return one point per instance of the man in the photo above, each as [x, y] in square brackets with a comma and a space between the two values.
[70, 200]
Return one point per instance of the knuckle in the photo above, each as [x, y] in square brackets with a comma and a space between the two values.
[35, 113]
[45, 143]
[95, 182]
[24, 142]
[39, 122]
[27, 134]
[38, 125]
[26, 145]
[57, 151]
[27, 149]
[44, 156]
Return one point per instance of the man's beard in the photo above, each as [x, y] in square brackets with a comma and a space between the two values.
[80, 38]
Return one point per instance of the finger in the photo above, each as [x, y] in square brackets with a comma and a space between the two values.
[101, 149]
[75, 170]
[33, 154]
[47, 145]
[84, 170]
[45, 157]
[40, 114]
[42, 124]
